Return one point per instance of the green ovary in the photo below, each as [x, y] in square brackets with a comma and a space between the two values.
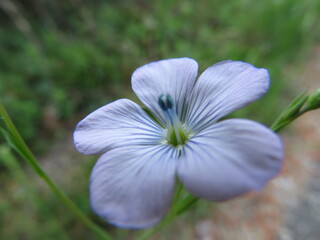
[175, 140]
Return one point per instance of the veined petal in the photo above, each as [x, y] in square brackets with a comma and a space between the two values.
[222, 89]
[116, 124]
[132, 187]
[173, 76]
[229, 159]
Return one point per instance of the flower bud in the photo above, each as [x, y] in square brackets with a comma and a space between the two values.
[313, 101]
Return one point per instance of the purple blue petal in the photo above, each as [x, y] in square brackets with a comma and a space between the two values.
[120, 123]
[173, 76]
[222, 89]
[132, 187]
[229, 159]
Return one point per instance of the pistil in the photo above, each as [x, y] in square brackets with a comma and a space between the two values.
[176, 133]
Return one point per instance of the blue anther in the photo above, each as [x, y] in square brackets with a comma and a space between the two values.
[165, 102]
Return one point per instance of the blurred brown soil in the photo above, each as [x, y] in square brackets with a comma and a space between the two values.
[289, 207]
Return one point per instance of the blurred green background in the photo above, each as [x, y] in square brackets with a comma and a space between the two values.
[59, 60]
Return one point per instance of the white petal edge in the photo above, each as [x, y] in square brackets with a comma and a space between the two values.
[223, 88]
[116, 124]
[132, 187]
[229, 159]
[172, 76]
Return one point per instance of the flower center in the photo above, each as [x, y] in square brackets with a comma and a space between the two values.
[176, 134]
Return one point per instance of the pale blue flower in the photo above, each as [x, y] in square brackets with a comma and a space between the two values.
[133, 182]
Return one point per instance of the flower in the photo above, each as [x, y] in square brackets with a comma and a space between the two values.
[133, 182]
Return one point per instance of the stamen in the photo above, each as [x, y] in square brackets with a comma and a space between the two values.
[176, 135]
[165, 101]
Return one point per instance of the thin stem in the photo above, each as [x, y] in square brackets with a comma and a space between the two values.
[26, 153]
[185, 204]
[147, 234]
[178, 192]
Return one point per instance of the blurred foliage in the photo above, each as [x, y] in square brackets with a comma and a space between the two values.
[61, 57]
[30, 204]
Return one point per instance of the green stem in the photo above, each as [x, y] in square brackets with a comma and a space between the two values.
[185, 204]
[147, 234]
[26, 153]
[177, 209]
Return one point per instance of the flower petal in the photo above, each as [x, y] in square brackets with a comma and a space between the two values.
[222, 89]
[116, 124]
[229, 159]
[132, 187]
[173, 76]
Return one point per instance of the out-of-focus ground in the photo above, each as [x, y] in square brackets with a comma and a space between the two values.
[289, 207]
